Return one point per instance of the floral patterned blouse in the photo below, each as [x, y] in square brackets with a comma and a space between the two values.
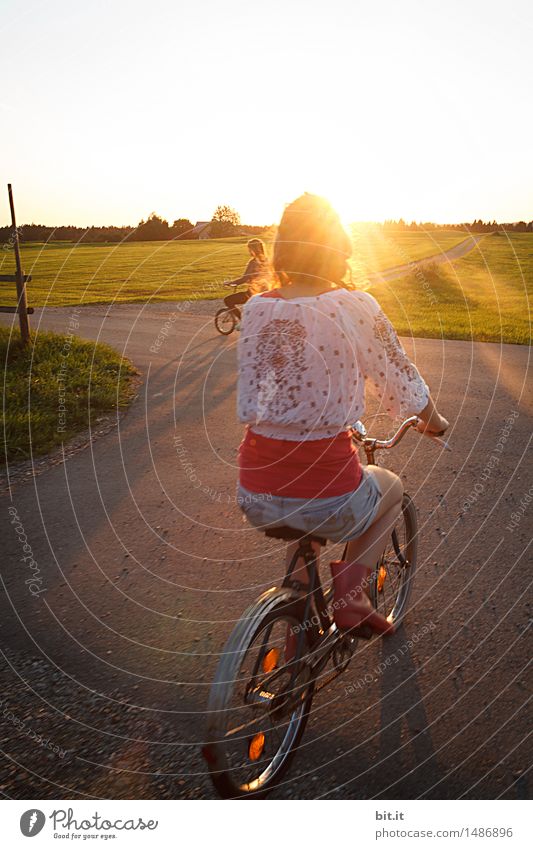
[304, 364]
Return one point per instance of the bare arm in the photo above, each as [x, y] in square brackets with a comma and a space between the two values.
[431, 419]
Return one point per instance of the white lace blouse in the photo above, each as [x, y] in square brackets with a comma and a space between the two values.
[304, 363]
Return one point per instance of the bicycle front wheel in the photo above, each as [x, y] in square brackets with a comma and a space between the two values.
[392, 580]
[260, 699]
[225, 321]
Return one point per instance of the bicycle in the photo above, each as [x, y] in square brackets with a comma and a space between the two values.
[227, 318]
[260, 700]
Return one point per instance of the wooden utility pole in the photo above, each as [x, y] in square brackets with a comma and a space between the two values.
[22, 305]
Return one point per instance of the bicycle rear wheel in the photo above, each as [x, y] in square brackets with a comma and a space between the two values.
[260, 701]
[225, 321]
[392, 580]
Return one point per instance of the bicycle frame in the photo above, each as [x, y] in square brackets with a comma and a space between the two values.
[305, 549]
[306, 552]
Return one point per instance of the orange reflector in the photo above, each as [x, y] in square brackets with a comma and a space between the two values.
[257, 744]
[382, 574]
[270, 660]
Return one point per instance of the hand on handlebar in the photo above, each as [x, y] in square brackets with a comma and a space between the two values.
[433, 434]
[431, 429]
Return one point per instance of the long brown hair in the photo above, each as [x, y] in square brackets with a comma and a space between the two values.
[265, 278]
[257, 249]
[311, 243]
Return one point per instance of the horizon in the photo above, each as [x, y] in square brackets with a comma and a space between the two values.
[393, 112]
[385, 222]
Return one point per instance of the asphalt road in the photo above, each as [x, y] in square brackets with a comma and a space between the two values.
[145, 564]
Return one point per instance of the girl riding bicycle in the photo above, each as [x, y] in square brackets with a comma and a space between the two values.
[306, 352]
[257, 277]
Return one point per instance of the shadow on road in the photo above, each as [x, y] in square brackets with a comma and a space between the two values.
[402, 705]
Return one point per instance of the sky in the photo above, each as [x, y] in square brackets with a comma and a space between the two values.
[418, 109]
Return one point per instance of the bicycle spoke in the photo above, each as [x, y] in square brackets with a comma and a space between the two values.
[394, 576]
[276, 732]
[261, 653]
[266, 709]
[390, 580]
[250, 724]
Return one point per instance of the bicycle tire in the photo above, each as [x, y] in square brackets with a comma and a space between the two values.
[227, 314]
[399, 608]
[274, 605]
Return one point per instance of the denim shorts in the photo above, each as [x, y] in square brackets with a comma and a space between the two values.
[339, 519]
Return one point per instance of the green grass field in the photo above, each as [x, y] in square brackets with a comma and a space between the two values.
[375, 250]
[486, 295]
[65, 274]
[482, 296]
[59, 386]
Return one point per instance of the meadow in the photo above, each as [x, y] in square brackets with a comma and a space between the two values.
[486, 295]
[65, 274]
[483, 296]
[46, 403]
[376, 250]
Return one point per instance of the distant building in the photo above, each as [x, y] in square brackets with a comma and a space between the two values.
[201, 230]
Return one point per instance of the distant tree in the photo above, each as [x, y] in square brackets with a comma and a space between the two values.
[254, 229]
[227, 215]
[181, 227]
[224, 221]
[154, 229]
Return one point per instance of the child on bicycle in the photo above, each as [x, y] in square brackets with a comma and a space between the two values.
[307, 350]
[257, 277]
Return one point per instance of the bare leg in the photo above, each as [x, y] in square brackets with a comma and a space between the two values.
[350, 576]
[368, 548]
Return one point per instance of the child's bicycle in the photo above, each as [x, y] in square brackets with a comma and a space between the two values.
[260, 701]
[227, 318]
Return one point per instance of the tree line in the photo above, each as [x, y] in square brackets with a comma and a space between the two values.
[477, 226]
[225, 222]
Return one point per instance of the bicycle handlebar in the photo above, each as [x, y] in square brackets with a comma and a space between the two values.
[399, 435]
[359, 434]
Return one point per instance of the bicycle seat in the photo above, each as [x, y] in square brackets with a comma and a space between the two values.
[293, 534]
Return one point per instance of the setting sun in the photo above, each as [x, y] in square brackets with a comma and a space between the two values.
[374, 111]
